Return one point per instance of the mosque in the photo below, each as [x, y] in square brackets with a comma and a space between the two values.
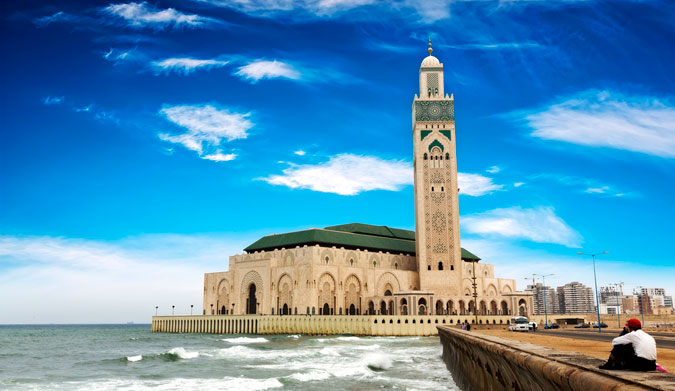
[360, 269]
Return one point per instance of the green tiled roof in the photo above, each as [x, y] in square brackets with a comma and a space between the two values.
[353, 236]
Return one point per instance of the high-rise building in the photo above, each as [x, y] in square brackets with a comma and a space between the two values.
[544, 294]
[611, 295]
[668, 301]
[576, 297]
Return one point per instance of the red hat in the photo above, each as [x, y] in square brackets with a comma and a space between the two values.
[634, 324]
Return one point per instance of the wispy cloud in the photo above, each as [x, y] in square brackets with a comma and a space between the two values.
[263, 69]
[494, 46]
[346, 174]
[207, 128]
[141, 15]
[85, 273]
[493, 169]
[300, 152]
[607, 119]
[57, 17]
[53, 100]
[273, 7]
[580, 184]
[349, 174]
[537, 224]
[186, 65]
[476, 184]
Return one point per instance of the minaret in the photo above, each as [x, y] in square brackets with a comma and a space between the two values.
[436, 191]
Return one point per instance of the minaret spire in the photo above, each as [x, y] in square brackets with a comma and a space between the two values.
[430, 49]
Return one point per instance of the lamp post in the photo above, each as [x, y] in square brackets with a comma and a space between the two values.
[156, 308]
[616, 296]
[191, 305]
[543, 278]
[597, 300]
[475, 292]
[172, 307]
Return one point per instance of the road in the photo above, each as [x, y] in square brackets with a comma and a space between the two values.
[663, 340]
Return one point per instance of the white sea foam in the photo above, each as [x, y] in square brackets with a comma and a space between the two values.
[347, 339]
[310, 376]
[294, 336]
[244, 352]
[135, 358]
[184, 354]
[242, 383]
[329, 351]
[226, 383]
[377, 361]
[244, 340]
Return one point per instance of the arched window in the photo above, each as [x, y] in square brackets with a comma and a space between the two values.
[351, 262]
[432, 188]
[452, 267]
[396, 266]
[387, 292]
[425, 156]
[428, 267]
[327, 260]
[440, 265]
[447, 156]
[442, 188]
[374, 264]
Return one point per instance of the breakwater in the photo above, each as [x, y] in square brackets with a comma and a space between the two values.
[382, 325]
[482, 362]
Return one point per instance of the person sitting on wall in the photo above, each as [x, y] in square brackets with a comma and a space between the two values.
[633, 349]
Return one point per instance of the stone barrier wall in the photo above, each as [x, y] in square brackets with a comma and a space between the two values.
[482, 362]
[316, 324]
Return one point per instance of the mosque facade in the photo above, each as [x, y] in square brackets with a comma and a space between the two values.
[360, 269]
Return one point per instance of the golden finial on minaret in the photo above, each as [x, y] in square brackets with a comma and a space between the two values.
[430, 49]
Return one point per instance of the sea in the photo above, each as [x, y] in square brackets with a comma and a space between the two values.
[130, 357]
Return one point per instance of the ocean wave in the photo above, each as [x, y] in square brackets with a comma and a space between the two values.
[310, 376]
[242, 383]
[181, 353]
[244, 340]
[134, 358]
[329, 351]
[347, 339]
[294, 336]
[244, 352]
[377, 361]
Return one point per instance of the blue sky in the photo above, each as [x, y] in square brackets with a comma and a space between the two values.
[145, 142]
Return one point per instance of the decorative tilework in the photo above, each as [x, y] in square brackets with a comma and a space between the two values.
[435, 143]
[434, 110]
[425, 133]
[447, 134]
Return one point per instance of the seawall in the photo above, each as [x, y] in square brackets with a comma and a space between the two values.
[483, 362]
[385, 325]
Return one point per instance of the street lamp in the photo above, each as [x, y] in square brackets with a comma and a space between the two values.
[475, 292]
[156, 307]
[616, 296]
[543, 278]
[172, 307]
[191, 305]
[597, 300]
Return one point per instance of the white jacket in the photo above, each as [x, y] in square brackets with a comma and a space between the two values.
[643, 343]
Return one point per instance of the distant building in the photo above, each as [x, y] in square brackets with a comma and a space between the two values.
[611, 295]
[645, 304]
[544, 294]
[668, 301]
[630, 304]
[576, 297]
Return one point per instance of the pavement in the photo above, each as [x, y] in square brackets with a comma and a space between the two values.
[663, 340]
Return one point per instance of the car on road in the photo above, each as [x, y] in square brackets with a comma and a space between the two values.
[552, 326]
[602, 325]
[519, 323]
[582, 326]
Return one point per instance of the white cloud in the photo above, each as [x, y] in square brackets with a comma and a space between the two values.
[346, 174]
[220, 157]
[300, 152]
[53, 100]
[207, 127]
[262, 69]
[518, 184]
[495, 46]
[272, 7]
[591, 186]
[598, 190]
[59, 280]
[57, 17]
[493, 170]
[538, 225]
[142, 15]
[186, 65]
[476, 184]
[608, 119]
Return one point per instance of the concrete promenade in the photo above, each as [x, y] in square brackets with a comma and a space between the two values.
[484, 362]
[384, 325]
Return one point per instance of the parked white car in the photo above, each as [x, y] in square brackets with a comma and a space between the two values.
[519, 323]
